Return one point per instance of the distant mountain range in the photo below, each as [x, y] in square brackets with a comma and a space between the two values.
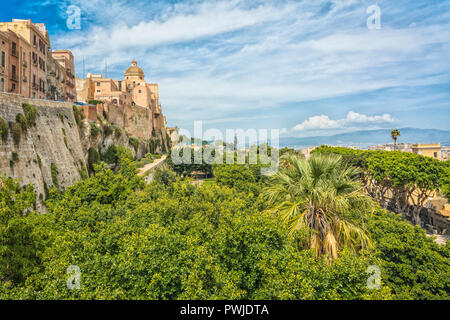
[367, 138]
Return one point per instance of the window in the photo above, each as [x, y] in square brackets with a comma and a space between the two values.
[14, 49]
[435, 154]
[3, 58]
[2, 85]
[140, 91]
[98, 83]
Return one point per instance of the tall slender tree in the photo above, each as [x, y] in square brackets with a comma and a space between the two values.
[394, 135]
[318, 195]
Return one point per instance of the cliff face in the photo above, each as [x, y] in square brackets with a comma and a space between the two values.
[54, 142]
[54, 151]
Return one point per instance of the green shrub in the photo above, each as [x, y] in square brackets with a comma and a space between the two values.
[94, 102]
[94, 130]
[93, 158]
[54, 173]
[82, 170]
[78, 115]
[117, 132]
[134, 142]
[152, 146]
[30, 114]
[107, 129]
[15, 157]
[165, 176]
[16, 130]
[4, 129]
[22, 120]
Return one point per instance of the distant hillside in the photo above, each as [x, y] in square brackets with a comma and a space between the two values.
[366, 138]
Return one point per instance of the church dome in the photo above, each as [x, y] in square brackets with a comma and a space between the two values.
[134, 70]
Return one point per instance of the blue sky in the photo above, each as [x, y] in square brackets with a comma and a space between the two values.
[306, 67]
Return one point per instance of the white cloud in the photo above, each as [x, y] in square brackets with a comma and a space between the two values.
[353, 119]
[225, 57]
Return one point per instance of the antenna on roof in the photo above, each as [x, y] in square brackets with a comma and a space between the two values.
[106, 68]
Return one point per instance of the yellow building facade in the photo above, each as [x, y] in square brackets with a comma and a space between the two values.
[428, 150]
[4, 61]
[127, 101]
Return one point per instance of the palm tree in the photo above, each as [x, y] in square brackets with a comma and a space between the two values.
[318, 195]
[395, 134]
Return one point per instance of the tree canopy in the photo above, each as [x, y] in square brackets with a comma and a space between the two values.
[171, 239]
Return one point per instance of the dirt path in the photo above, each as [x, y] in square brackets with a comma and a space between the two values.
[440, 238]
[152, 165]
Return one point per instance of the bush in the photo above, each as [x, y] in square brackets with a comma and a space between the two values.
[165, 176]
[93, 158]
[30, 114]
[134, 142]
[39, 162]
[54, 173]
[107, 129]
[16, 130]
[117, 132]
[95, 102]
[22, 120]
[78, 115]
[95, 130]
[82, 170]
[4, 129]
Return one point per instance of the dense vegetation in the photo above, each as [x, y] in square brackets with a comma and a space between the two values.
[171, 239]
[411, 179]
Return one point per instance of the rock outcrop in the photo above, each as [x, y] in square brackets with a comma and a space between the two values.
[53, 152]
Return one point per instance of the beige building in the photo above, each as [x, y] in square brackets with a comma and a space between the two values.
[35, 73]
[33, 70]
[428, 150]
[56, 80]
[127, 101]
[66, 60]
[4, 61]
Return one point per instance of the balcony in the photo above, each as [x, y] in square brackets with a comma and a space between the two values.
[24, 63]
[69, 73]
[24, 78]
[35, 86]
[14, 53]
[14, 77]
[35, 62]
[2, 70]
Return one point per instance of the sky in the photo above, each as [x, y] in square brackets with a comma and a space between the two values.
[304, 67]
